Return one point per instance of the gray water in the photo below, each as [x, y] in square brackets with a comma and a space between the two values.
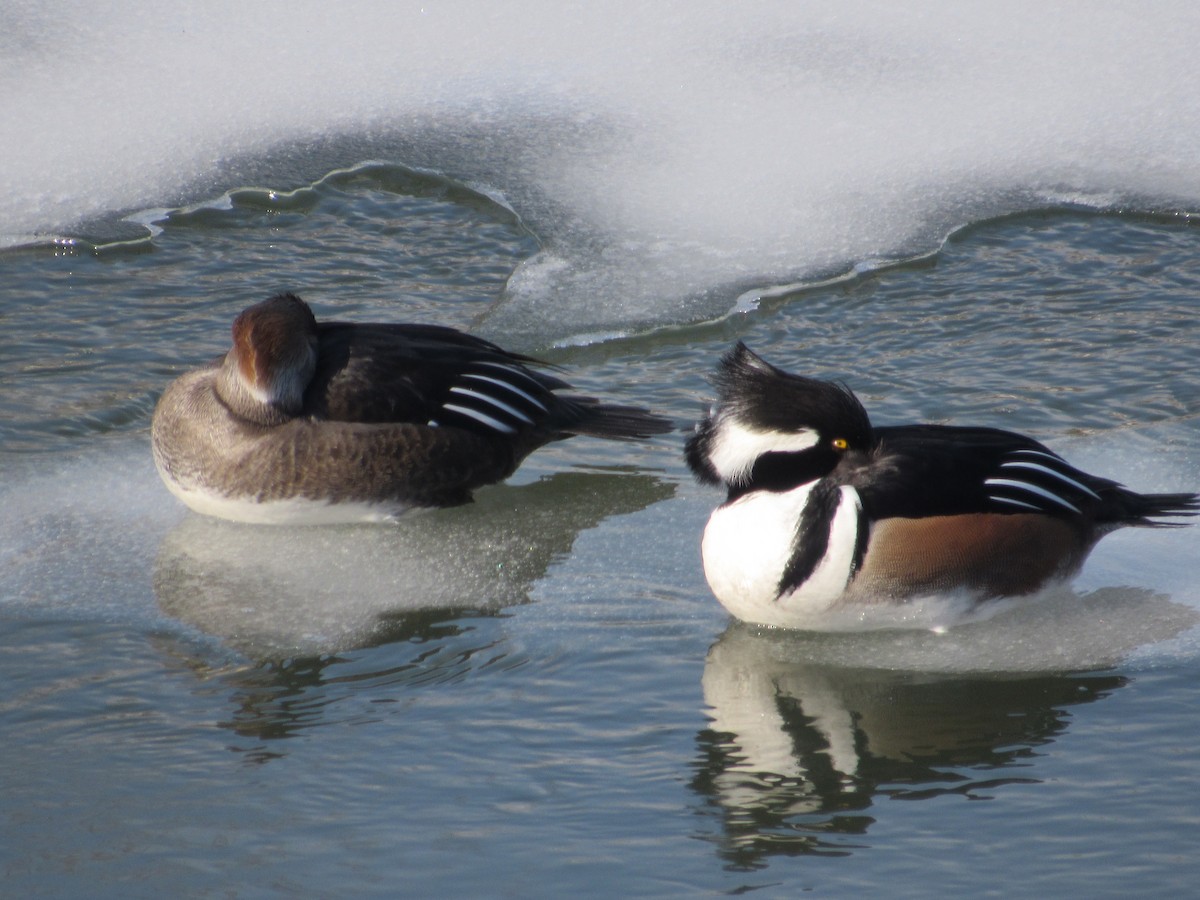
[536, 694]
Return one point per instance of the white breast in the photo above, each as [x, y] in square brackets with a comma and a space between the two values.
[293, 511]
[748, 543]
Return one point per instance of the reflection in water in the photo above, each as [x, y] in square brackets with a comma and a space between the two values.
[282, 592]
[276, 699]
[808, 730]
[295, 601]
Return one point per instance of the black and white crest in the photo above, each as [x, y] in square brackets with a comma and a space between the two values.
[763, 413]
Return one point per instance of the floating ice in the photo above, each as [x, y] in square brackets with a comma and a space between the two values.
[671, 157]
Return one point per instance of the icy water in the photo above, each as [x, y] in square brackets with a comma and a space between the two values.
[536, 695]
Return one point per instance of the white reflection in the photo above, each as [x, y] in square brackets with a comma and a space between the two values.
[279, 591]
[807, 728]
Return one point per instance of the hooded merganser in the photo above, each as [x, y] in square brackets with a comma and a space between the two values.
[316, 422]
[827, 514]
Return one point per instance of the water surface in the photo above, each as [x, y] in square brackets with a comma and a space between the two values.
[536, 694]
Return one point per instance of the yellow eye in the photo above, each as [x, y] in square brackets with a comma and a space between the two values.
[840, 444]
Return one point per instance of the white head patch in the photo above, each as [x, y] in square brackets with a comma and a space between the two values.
[735, 447]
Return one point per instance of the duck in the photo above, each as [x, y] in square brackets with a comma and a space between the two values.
[831, 523]
[318, 422]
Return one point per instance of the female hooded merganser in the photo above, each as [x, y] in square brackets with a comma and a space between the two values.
[307, 422]
[827, 516]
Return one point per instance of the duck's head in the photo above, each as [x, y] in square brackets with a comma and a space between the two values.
[273, 357]
[772, 429]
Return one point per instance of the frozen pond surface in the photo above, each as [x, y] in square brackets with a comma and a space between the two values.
[536, 694]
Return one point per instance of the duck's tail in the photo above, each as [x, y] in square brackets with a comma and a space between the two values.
[595, 418]
[1145, 510]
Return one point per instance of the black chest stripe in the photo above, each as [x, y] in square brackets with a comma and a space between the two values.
[861, 538]
[811, 541]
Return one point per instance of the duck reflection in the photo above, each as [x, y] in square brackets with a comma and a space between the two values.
[275, 699]
[274, 593]
[807, 731]
[299, 604]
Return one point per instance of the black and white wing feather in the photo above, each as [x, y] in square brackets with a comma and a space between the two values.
[935, 470]
[1028, 480]
[498, 397]
[442, 377]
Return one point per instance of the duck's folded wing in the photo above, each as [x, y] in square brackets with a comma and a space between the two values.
[424, 374]
[937, 470]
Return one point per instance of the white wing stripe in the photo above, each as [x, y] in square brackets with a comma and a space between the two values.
[1012, 502]
[510, 370]
[482, 418]
[1043, 454]
[507, 386]
[1048, 471]
[488, 398]
[1032, 489]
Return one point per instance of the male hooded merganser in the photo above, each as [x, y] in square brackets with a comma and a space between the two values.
[310, 422]
[827, 514]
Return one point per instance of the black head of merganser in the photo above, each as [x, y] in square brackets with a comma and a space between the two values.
[307, 421]
[823, 509]
[772, 430]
